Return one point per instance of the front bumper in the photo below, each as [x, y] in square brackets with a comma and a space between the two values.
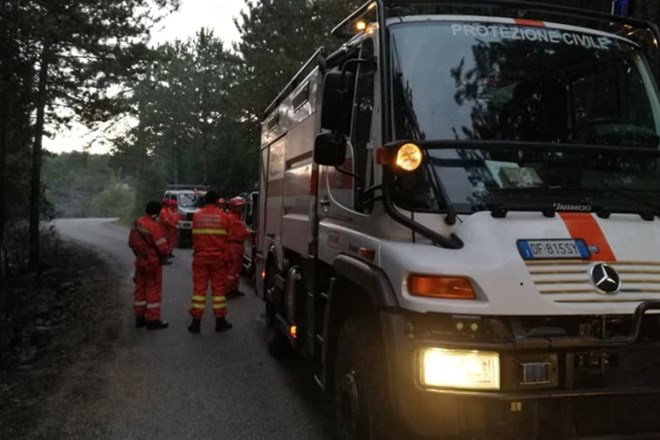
[596, 388]
[184, 225]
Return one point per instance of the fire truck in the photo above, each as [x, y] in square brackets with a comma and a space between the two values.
[458, 222]
[249, 251]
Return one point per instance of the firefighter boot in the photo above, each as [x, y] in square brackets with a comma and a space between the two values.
[140, 322]
[222, 324]
[157, 325]
[194, 326]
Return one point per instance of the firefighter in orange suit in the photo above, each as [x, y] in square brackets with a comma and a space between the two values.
[169, 223]
[211, 259]
[238, 234]
[174, 215]
[150, 247]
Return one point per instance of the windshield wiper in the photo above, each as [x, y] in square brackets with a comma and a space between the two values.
[499, 203]
[652, 210]
[550, 201]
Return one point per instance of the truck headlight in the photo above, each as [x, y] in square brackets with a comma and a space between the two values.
[409, 157]
[461, 369]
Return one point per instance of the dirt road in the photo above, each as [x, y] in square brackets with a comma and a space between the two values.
[173, 385]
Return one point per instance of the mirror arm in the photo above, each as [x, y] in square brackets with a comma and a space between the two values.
[351, 61]
[368, 197]
[350, 173]
[450, 242]
[372, 189]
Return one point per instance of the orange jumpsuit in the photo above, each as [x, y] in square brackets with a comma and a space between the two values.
[149, 245]
[174, 220]
[211, 259]
[169, 227]
[237, 235]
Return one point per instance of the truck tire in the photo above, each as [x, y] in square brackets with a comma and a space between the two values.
[278, 344]
[361, 401]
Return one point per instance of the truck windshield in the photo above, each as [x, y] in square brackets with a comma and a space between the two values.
[190, 201]
[488, 80]
[610, 181]
[481, 80]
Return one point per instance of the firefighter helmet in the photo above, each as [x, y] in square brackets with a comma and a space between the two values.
[236, 202]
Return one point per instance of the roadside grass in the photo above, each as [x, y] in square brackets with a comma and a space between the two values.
[62, 327]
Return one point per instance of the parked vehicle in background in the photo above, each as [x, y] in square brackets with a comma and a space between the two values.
[458, 222]
[188, 198]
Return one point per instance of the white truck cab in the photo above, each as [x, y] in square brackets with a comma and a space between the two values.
[458, 222]
[188, 198]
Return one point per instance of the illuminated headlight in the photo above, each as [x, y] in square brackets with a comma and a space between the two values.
[462, 369]
[409, 157]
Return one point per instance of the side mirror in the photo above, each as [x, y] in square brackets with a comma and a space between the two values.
[330, 149]
[337, 98]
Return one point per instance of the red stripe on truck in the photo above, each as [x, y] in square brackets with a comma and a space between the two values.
[314, 184]
[585, 226]
[337, 180]
[306, 183]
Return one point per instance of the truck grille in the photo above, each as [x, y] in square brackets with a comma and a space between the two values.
[569, 281]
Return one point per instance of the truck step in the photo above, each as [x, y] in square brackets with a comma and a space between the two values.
[280, 282]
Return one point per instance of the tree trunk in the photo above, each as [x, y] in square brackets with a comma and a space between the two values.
[35, 184]
[6, 109]
[4, 134]
[3, 184]
[205, 124]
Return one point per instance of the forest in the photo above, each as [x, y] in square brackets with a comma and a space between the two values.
[197, 103]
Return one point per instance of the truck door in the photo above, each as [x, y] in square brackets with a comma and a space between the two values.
[275, 192]
[345, 191]
[361, 126]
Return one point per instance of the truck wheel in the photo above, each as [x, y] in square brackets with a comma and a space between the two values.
[278, 344]
[360, 391]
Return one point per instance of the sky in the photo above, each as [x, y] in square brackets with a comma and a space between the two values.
[191, 16]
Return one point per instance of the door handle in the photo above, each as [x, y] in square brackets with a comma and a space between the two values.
[324, 202]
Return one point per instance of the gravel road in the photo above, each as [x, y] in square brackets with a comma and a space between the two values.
[170, 384]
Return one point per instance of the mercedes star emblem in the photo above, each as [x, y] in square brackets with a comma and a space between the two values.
[605, 278]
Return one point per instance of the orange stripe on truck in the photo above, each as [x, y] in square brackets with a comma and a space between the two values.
[585, 226]
[527, 22]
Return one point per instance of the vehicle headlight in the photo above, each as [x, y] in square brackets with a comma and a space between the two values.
[409, 157]
[460, 369]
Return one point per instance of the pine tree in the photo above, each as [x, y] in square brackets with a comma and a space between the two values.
[62, 54]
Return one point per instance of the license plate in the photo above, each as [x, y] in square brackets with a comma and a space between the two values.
[553, 249]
